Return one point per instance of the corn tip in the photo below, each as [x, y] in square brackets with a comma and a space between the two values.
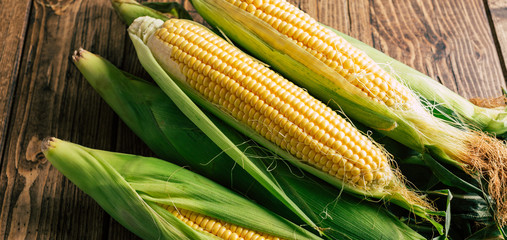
[48, 143]
[144, 27]
[78, 54]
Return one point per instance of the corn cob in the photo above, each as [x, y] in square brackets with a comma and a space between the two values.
[277, 109]
[289, 38]
[162, 126]
[137, 191]
[266, 107]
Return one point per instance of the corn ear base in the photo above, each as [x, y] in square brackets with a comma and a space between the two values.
[172, 8]
[79, 165]
[128, 10]
[138, 102]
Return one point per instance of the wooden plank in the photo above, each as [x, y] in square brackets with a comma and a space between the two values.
[454, 42]
[52, 99]
[13, 22]
[498, 11]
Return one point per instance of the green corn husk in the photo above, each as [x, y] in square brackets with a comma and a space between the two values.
[128, 10]
[138, 104]
[453, 143]
[131, 188]
[183, 95]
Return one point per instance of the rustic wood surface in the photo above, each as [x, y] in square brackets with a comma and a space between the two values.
[461, 43]
[498, 13]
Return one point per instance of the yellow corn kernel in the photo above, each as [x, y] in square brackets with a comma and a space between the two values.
[214, 226]
[348, 61]
[276, 108]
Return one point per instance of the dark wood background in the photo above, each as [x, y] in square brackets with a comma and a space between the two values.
[461, 43]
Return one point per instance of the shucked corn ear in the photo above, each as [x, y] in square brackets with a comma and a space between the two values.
[277, 109]
[267, 107]
[158, 122]
[332, 69]
[158, 200]
[258, 97]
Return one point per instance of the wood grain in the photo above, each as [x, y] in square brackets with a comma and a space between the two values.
[11, 44]
[42, 93]
[451, 41]
[52, 99]
[498, 11]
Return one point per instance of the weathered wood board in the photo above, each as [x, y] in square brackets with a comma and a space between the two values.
[460, 43]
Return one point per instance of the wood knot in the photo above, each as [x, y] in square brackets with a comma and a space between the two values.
[58, 6]
[440, 50]
[33, 152]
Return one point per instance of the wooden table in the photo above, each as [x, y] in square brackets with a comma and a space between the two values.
[461, 43]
